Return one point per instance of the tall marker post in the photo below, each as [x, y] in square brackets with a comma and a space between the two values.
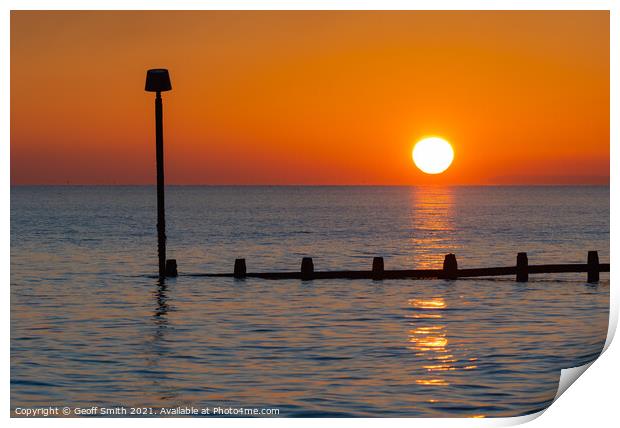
[158, 81]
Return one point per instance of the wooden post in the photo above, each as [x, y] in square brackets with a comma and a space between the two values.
[158, 81]
[171, 267]
[450, 267]
[161, 216]
[307, 268]
[593, 267]
[377, 268]
[522, 270]
[240, 270]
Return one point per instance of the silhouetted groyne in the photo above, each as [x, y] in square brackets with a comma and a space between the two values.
[450, 270]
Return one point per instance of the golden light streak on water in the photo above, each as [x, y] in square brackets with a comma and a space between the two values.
[433, 382]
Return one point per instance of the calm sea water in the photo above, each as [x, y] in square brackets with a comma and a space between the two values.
[90, 325]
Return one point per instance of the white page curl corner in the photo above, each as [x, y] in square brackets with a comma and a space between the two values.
[569, 376]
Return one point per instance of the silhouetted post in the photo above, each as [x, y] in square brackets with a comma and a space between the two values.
[171, 267]
[593, 268]
[158, 81]
[240, 270]
[377, 268]
[522, 270]
[307, 268]
[450, 267]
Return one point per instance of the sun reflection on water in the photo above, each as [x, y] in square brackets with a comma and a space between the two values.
[437, 303]
[428, 338]
[430, 342]
[432, 224]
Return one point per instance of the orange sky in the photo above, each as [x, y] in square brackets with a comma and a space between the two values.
[310, 97]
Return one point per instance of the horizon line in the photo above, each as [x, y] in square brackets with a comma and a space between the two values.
[310, 185]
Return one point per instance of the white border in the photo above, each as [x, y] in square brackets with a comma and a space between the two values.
[592, 401]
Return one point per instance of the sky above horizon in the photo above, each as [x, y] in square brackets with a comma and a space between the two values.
[319, 97]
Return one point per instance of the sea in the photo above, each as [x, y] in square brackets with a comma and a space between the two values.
[93, 326]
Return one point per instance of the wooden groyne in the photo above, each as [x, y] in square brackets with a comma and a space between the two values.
[450, 270]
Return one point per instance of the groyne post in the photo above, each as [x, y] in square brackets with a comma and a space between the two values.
[593, 268]
[450, 267]
[307, 268]
[240, 270]
[377, 268]
[522, 269]
[171, 268]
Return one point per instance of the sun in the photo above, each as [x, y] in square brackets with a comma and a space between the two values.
[433, 155]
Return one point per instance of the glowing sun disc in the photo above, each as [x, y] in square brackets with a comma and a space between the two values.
[432, 155]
